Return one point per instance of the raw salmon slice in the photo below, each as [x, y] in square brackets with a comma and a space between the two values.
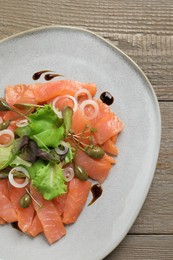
[114, 138]
[19, 94]
[35, 228]
[79, 123]
[110, 147]
[62, 102]
[106, 123]
[7, 211]
[107, 127]
[9, 115]
[48, 215]
[4, 188]
[2, 222]
[104, 110]
[45, 91]
[24, 215]
[59, 203]
[97, 169]
[76, 199]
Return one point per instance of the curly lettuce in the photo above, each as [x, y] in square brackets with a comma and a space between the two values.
[45, 128]
[48, 179]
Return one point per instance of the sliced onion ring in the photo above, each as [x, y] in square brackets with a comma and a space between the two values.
[7, 132]
[90, 103]
[59, 114]
[1, 120]
[81, 92]
[68, 173]
[22, 123]
[64, 151]
[13, 182]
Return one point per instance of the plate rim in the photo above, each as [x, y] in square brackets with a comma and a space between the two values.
[156, 105]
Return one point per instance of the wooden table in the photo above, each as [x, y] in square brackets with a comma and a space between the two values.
[143, 29]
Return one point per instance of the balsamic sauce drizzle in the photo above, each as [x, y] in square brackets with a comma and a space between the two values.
[96, 190]
[51, 76]
[38, 74]
[107, 98]
[15, 225]
[47, 77]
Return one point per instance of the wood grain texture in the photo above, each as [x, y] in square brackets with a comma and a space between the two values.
[154, 54]
[144, 31]
[144, 248]
[138, 16]
[156, 215]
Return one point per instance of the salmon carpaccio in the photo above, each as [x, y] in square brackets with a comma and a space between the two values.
[51, 217]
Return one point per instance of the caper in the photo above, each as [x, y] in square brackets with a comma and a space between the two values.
[4, 125]
[95, 152]
[80, 173]
[25, 201]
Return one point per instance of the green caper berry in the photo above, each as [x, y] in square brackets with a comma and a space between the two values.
[80, 173]
[25, 201]
[95, 152]
[4, 125]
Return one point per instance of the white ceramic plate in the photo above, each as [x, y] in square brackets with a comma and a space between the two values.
[81, 55]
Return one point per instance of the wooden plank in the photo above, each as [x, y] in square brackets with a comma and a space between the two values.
[141, 30]
[156, 214]
[144, 247]
[137, 16]
[149, 17]
[154, 55]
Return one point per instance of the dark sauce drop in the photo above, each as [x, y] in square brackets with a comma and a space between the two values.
[107, 98]
[38, 74]
[15, 225]
[96, 190]
[51, 76]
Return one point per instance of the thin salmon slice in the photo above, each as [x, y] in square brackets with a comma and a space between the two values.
[59, 203]
[104, 110]
[76, 199]
[107, 127]
[24, 215]
[110, 147]
[35, 228]
[9, 115]
[79, 124]
[106, 123]
[97, 169]
[49, 218]
[62, 102]
[2, 221]
[114, 138]
[20, 93]
[7, 211]
[45, 91]
[4, 187]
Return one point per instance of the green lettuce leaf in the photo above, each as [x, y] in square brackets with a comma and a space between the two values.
[45, 128]
[22, 131]
[9, 156]
[48, 179]
[19, 161]
[50, 137]
[69, 156]
[35, 168]
[6, 157]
